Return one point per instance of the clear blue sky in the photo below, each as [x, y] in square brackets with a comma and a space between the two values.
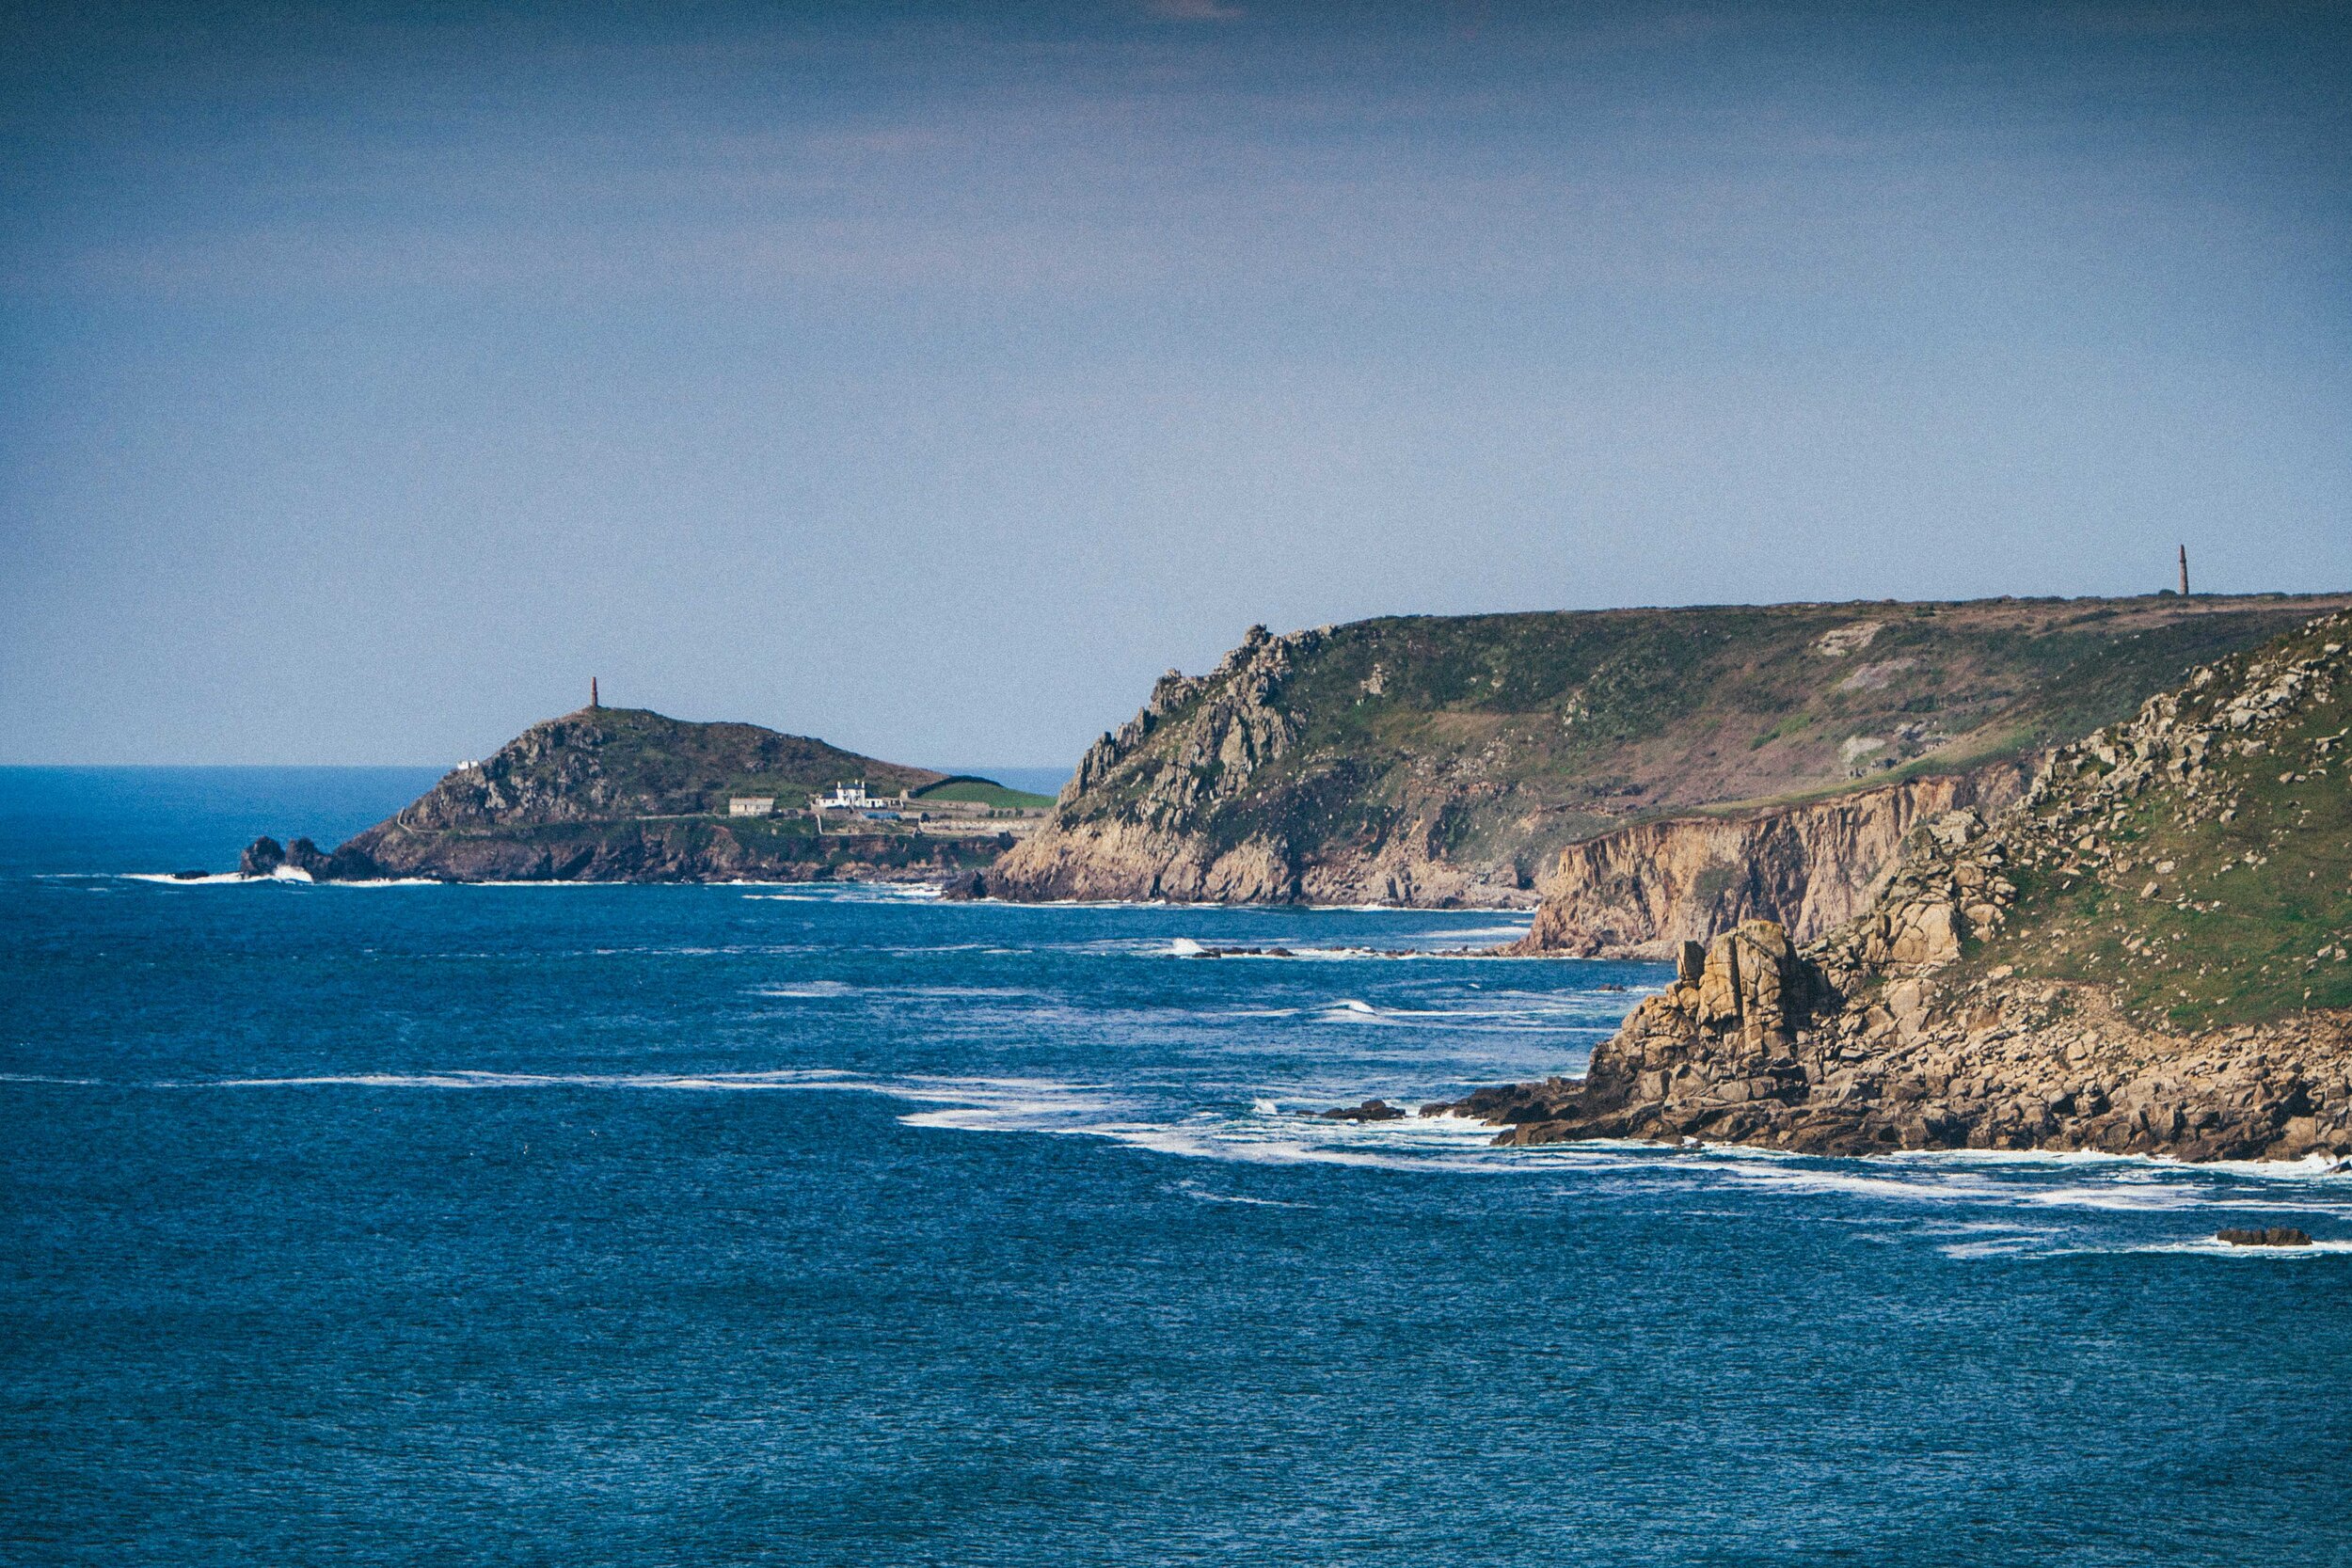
[930, 377]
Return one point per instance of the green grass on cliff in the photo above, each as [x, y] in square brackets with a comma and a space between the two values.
[2250, 918]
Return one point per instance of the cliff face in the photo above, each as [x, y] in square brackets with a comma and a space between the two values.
[2146, 954]
[1130, 821]
[1452, 760]
[624, 795]
[1642, 891]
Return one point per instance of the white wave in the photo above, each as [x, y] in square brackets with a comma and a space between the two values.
[211, 878]
[2120, 1197]
[2209, 1247]
[2129, 1188]
[1466, 932]
[2308, 1167]
[285, 874]
[813, 991]
[1199, 1196]
[839, 892]
[1208, 1144]
[1996, 1246]
[785, 1078]
[1808, 1178]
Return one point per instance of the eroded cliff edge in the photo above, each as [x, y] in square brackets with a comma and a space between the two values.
[1642, 891]
[1596, 763]
[2147, 955]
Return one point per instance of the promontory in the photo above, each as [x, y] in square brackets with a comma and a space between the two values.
[1646, 776]
[610, 794]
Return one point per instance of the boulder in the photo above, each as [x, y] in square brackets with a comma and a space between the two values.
[1371, 1110]
[2276, 1235]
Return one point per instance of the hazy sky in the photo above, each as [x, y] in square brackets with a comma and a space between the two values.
[930, 377]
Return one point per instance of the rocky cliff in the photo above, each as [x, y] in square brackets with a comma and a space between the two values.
[627, 795]
[2147, 955]
[1447, 761]
[1642, 890]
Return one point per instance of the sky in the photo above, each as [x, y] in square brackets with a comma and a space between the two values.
[929, 378]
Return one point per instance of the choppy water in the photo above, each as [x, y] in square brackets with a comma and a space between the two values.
[631, 1225]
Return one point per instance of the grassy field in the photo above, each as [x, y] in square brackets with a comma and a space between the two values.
[986, 792]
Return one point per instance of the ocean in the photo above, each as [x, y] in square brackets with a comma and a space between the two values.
[592, 1224]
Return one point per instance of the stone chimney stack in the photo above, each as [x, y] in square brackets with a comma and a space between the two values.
[2185, 571]
[593, 701]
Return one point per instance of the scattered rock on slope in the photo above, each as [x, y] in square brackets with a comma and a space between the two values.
[2010, 990]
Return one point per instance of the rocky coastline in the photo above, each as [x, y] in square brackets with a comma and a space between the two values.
[621, 852]
[1944, 1015]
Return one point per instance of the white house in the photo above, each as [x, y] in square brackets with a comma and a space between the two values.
[848, 797]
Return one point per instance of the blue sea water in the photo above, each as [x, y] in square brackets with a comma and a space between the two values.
[837, 1226]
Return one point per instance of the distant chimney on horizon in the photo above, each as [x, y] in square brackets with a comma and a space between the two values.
[593, 701]
[2185, 571]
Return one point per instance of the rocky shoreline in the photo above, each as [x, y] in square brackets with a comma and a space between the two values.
[620, 852]
[1756, 1044]
[1899, 1030]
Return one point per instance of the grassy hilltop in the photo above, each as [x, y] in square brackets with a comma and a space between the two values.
[613, 762]
[628, 795]
[2223, 895]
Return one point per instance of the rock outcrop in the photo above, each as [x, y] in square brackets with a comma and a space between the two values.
[2270, 1235]
[1965, 1009]
[266, 857]
[1371, 1110]
[1153, 846]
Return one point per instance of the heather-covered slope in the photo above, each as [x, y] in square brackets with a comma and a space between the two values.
[627, 795]
[1450, 760]
[2148, 955]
